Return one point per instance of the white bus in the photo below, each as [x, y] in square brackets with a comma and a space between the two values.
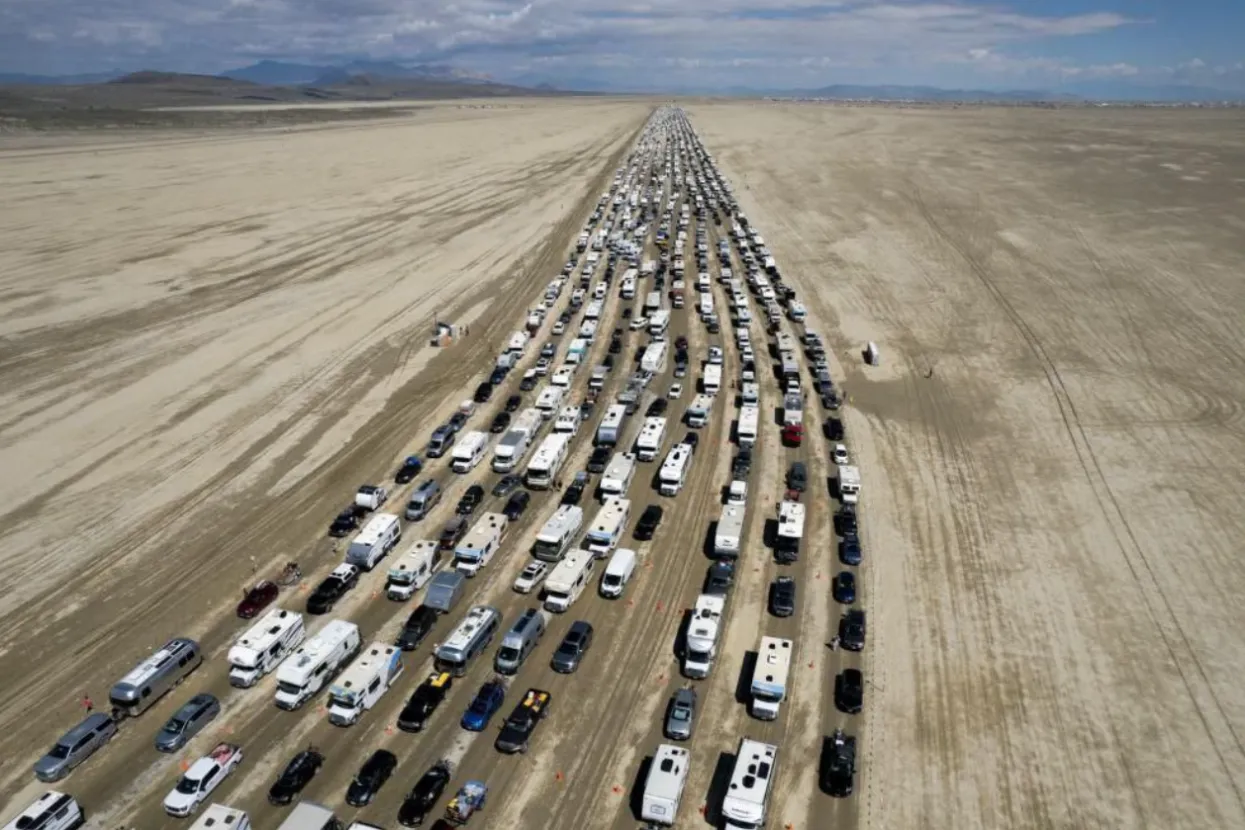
[747, 799]
[547, 461]
[769, 677]
[556, 535]
[749, 425]
[712, 381]
[659, 323]
[610, 427]
[673, 473]
[652, 436]
[790, 531]
[608, 526]
[550, 401]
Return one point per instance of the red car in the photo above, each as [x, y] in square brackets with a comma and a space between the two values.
[793, 434]
[257, 598]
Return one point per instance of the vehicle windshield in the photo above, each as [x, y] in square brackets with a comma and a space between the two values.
[479, 705]
[59, 751]
[679, 714]
[174, 725]
[188, 785]
[508, 654]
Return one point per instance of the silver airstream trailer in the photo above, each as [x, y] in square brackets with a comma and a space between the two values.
[149, 680]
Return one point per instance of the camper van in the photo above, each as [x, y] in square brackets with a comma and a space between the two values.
[608, 526]
[364, 683]
[413, 570]
[558, 532]
[264, 645]
[467, 640]
[747, 799]
[425, 497]
[618, 474]
[698, 411]
[547, 462]
[520, 641]
[147, 682]
[316, 662]
[564, 585]
[480, 544]
[469, 451]
[379, 536]
[617, 573]
[663, 788]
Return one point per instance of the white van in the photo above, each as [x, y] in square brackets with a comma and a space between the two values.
[378, 537]
[617, 573]
[469, 451]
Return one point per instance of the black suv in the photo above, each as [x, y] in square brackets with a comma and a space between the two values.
[483, 392]
[648, 523]
[470, 501]
[852, 630]
[423, 796]
[416, 628]
[600, 459]
[296, 775]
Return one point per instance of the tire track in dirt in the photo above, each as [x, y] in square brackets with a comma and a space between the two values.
[1176, 641]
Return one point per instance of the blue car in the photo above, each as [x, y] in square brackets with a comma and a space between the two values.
[487, 701]
[845, 588]
[409, 469]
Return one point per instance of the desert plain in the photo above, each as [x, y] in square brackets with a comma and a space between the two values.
[208, 340]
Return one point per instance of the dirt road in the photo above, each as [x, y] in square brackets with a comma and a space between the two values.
[1050, 447]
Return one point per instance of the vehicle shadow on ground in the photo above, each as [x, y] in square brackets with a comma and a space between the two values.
[718, 787]
[636, 801]
[680, 637]
[743, 683]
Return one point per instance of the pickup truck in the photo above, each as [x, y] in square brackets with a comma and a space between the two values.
[516, 732]
[204, 776]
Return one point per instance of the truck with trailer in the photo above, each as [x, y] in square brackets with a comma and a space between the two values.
[517, 440]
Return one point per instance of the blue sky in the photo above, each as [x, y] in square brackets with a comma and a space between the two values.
[1045, 44]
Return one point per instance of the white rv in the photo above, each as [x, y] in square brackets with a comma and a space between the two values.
[654, 357]
[673, 473]
[790, 531]
[702, 636]
[659, 323]
[469, 451]
[663, 788]
[698, 411]
[769, 677]
[215, 817]
[379, 536]
[264, 645]
[747, 798]
[792, 408]
[317, 661]
[413, 570]
[556, 535]
[749, 426]
[593, 310]
[518, 340]
[628, 288]
[608, 526]
[515, 443]
[568, 420]
[549, 401]
[797, 312]
[564, 585]
[588, 330]
[849, 484]
[706, 304]
[750, 393]
[610, 427]
[480, 544]
[364, 683]
[652, 302]
[652, 436]
[618, 474]
[729, 535]
[547, 461]
[712, 380]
